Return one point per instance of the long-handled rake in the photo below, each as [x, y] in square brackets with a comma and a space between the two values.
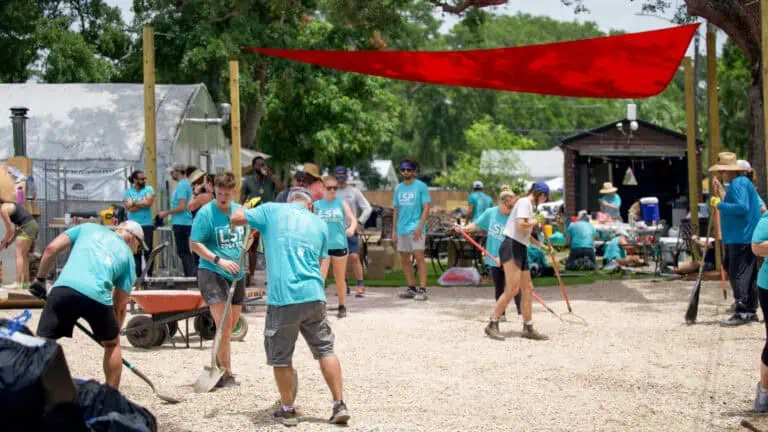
[496, 260]
[556, 266]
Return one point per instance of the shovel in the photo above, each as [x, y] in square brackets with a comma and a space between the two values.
[211, 375]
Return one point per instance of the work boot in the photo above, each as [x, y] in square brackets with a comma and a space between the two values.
[736, 320]
[530, 333]
[492, 330]
[227, 381]
[342, 311]
[409, 293]
[761, 400]
[340, 414]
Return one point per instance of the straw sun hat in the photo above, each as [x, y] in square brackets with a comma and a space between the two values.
[726, 161]
[608, 188]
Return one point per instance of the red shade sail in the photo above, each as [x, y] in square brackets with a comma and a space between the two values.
[635, 65]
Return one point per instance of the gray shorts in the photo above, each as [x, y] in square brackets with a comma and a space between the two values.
[283, 324]
[406, 243]
[215, 288]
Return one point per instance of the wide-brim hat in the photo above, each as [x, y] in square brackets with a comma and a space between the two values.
[726, 161]
[311, 169]
[608, 188]
[195, 176]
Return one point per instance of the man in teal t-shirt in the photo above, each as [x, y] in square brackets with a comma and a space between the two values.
[581, 236]
[411, 202]
[138, 200]
[181, 218]
[295, 243]
[478, 201]
[94, 285]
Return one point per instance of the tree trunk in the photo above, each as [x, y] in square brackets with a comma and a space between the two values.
[756, 148]
[255, 112]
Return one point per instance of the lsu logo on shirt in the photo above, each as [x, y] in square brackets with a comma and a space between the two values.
[407, 198]
[497, 231]
[226, 239]
[331, 215]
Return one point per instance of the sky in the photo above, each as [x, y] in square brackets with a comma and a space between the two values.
[608, 14]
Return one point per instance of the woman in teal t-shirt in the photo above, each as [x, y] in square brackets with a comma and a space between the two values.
[760, 248]
[334, 211]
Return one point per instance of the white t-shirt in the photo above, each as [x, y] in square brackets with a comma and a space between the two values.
[523, 209]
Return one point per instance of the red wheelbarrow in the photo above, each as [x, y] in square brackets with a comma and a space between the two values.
[164, 309]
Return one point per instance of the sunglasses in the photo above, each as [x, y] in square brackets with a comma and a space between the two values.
[332, 188]
[406, 169]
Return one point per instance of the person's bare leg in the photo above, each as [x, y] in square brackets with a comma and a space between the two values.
[331, 369]
[421, 263]
[223, 356]
[324, 266]
[357, 266]
[340, 274]
[512, 278]
[763, 375]
[22, 260]
[113, 362]
[284, 380]
[527, 303]
[405, 259]
[252, 254]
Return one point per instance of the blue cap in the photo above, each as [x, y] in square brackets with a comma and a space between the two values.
[541, 187]
[341, 173]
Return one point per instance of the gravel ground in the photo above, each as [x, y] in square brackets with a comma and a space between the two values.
[428, 366]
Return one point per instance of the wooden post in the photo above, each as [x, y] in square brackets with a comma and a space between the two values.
[764, 31]
[693, 171]
[150, 129]
[234, 96]
[714, 115]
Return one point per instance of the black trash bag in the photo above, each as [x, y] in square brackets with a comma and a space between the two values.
[106, 410]
[36, 390]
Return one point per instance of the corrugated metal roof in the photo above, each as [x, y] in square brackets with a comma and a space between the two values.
[534, 164]
[91, 121]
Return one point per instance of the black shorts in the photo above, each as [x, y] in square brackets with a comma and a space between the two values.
[338, 253]
[215, 288]
[512, 249]
[65, 306]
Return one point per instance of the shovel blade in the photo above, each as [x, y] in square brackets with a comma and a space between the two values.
[208, 379]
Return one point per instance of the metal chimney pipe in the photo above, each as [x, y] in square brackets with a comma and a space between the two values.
[19, 120]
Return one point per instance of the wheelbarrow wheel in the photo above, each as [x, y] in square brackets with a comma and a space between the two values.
[205, 326]
[144, 338]
[173, 328]
[240, 330]
[162, 334]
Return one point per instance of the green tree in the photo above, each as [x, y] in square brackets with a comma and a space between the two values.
[735, 78]
[18, 46]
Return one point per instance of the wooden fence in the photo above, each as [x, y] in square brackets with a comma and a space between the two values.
[445, 199]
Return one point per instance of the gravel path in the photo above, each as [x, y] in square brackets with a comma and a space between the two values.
[427, 366]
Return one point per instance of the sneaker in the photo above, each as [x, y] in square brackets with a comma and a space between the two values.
[737, 319]
[409, 293]
[287, 418]
[761, 400]
[492, 330]
[530, 333]
[227, 381]
[340, 415]
[421, 295]
[342, 311]
[360, 292]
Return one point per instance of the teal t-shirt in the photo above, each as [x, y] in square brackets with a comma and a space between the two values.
[183, 191]
[99, 261]
[493, 222]
[613, 250]
[143, 216]
[332, 212]
[536, 256]
[410, 200]
[211, 228]
[295, 240]
[613, 199]
[480, 202]
[761, 235]
[582, 234]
